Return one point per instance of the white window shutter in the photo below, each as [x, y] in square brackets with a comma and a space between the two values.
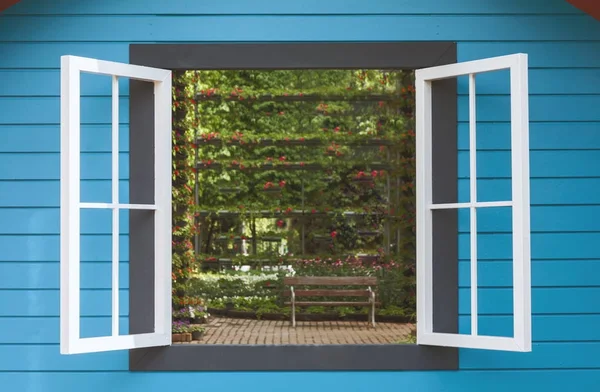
[521, 341]
[71, 206]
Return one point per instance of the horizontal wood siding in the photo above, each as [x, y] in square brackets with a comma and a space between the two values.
[564, 52]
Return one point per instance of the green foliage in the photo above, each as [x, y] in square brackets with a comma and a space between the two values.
[214, 285]
[197, 328]
[246, 303]
[272, 308]
[315, 309]
[184, 229]
[410, 339]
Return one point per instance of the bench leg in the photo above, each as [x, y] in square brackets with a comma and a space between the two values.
[373, 308]
[293, 307]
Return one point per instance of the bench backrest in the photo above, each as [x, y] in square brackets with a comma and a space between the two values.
[330, 281]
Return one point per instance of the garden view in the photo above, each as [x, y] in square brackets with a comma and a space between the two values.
[284, 175]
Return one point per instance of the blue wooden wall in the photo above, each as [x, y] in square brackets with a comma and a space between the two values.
[564, 51]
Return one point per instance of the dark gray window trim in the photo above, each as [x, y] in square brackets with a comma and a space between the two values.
[399, 55]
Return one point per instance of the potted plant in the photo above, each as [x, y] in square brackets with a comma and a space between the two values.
[196, 331]
[180, 332]
[182, 314]
[200, 315]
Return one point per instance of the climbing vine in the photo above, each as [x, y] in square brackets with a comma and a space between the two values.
[311, 168]
[184, 228]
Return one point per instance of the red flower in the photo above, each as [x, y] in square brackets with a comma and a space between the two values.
[333, 234]
[374, 173]
[280, 223]
[282, 158]
[281, 183]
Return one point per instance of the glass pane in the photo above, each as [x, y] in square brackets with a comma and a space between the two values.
[495, 275]
[96, 138]
[95, 276]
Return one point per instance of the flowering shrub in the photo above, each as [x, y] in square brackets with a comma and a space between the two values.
[182, 301]
[180, 327]
[243, 302]
[183, 225]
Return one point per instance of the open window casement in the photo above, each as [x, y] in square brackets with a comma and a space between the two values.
[71, 206]
[426, 335]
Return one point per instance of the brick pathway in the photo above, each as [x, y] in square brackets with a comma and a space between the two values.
[241, 331]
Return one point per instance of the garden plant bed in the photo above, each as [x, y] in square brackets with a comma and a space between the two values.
[303, 316]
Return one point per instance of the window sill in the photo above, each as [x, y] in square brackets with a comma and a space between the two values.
[194, 357]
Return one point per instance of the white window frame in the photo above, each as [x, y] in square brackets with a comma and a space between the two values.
[71, 206]
[520, 204]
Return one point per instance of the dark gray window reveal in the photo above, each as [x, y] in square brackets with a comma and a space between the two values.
[197, 357]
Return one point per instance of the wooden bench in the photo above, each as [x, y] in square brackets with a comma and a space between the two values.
[368, 293]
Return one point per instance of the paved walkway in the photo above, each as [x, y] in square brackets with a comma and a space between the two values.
[241, 331]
